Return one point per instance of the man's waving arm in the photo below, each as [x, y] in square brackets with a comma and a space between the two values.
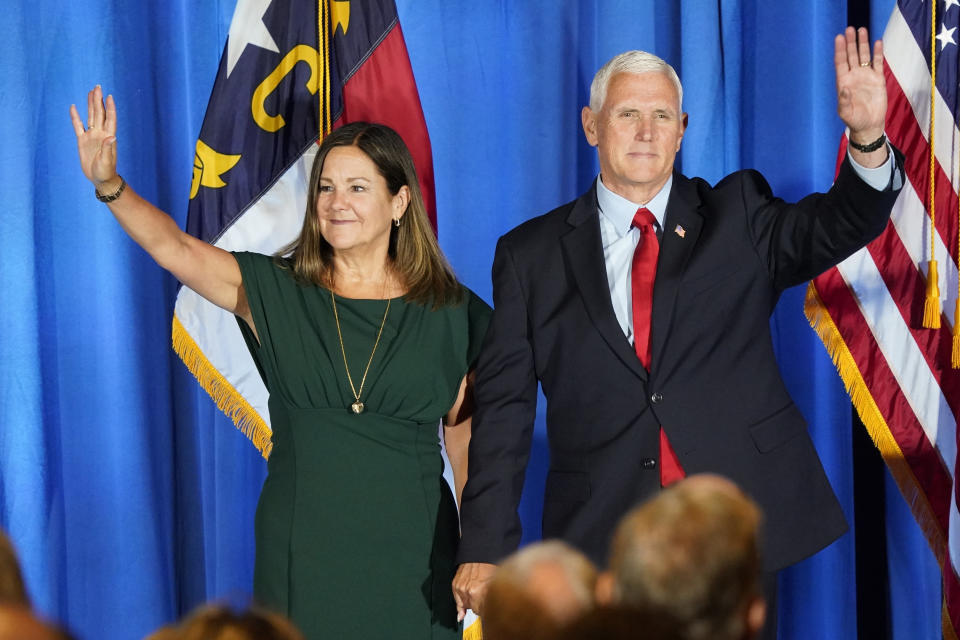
[862, 96]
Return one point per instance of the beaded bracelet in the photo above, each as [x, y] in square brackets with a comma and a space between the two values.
[873, 146]
[113, 196]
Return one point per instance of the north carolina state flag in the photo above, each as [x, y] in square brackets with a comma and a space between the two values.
[291, 71]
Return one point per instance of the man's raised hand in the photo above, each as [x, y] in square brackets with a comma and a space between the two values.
[861, 88]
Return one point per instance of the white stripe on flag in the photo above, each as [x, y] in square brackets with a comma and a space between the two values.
[271, 222]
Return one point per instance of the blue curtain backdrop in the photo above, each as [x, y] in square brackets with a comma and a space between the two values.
[129, 497]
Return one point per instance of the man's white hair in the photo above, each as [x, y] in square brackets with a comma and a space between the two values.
[631, 62]
[581, 575]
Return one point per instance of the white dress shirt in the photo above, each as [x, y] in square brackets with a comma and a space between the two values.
[620, 238]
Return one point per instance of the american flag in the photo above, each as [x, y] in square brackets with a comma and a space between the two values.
[869, 309]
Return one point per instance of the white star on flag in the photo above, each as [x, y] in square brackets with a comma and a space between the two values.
[946, 36]
[951, 3]
[247, 27]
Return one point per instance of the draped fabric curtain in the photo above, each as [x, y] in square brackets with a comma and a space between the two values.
[129, 497]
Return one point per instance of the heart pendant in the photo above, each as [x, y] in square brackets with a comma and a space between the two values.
[357, 407]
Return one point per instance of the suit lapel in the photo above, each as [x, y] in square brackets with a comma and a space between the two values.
[681, 229]
[583, 251]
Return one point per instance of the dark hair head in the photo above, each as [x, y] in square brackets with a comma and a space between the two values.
[416, 256]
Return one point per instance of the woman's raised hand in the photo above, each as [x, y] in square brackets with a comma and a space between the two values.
[208, 270]
[97, 143]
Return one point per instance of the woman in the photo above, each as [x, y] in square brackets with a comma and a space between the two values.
[365, 339]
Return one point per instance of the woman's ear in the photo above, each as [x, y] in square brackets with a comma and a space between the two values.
[401, 201]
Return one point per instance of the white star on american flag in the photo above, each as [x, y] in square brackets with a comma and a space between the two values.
[946, 36]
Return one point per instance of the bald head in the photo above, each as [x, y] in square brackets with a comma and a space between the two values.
[554, 577]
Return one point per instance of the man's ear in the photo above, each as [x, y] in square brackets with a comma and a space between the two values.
[684, 120]
[589, 120]
[603, 591]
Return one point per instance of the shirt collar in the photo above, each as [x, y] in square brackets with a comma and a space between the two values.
[620, 211]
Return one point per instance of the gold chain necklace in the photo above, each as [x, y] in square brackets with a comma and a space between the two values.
[357, 406]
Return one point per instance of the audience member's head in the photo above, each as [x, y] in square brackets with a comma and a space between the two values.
[617, 623]
[539, 588]
[12, 589]
[510, 612]
[19, 623]
[691, 552]
[220, 622]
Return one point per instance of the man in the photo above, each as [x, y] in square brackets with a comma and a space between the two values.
[691, 553]
[650, 377]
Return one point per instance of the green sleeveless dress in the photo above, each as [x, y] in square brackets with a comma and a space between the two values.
[356, 528]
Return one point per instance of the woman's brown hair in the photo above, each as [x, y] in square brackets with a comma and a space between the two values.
[416, 256]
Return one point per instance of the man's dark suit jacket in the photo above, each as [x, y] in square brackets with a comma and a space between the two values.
[726, 254]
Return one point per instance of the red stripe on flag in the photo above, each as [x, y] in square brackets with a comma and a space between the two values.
[841, 154]
[387, 72]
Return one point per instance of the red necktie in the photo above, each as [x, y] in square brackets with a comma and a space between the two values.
[642, 274]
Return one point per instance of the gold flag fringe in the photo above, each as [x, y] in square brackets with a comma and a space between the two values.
[474, 631]
[226, 397]
[879, 431]
[876, 425]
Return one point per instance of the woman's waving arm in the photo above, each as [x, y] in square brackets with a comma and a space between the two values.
[208, 270]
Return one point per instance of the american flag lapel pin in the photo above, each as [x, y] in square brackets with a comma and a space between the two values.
[680, 231]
